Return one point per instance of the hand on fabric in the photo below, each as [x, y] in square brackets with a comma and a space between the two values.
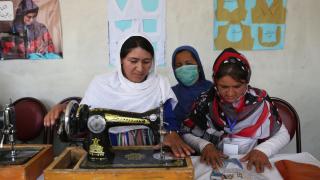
[257, 159]
[54, 114]
[178, 147]
[212, 156]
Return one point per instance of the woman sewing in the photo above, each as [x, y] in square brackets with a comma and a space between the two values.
[235, 118]
[134, 87]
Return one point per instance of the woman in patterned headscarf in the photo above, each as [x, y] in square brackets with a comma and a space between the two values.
[235, 117]
[38, 42]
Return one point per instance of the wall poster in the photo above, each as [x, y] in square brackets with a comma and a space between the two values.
[249, 24]
[30, 29]
[145, 16]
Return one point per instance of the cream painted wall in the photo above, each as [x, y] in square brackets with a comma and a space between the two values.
[289, 73]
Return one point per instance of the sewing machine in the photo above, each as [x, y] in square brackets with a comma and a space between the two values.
[8, 131]
[19, 161]
[80, 120]
[99, 160]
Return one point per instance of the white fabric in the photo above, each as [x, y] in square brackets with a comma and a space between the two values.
[114, 91]
[244, 144]
[107, 91]
[203, 171]
[275, 143]
[195, 142]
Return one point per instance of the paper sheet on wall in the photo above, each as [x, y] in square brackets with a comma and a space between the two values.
[249, 24]
[6, 11]
[145, 16]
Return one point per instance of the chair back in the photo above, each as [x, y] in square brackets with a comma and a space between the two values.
[290, 118]
[29, 114]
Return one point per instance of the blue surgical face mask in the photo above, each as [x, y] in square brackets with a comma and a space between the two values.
[187, 74]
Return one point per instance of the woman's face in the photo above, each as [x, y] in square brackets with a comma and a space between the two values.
[184, 58]
[137, 64]
[29, 18]
[229, 89]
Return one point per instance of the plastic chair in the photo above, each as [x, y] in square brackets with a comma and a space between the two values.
[290, 118]
[29, 114]
[51, 129]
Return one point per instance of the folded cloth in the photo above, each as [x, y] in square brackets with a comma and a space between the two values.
[291, 170]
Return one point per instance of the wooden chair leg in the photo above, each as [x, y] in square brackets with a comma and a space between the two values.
[48, 135]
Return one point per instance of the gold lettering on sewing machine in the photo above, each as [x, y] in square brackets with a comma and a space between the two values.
[122, 119]
[135, 156]
[95, 148]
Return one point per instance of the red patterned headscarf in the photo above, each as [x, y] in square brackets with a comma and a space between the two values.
[229, 55]
[251, 111]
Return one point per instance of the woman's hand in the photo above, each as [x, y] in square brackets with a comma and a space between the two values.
[178, 147]
[258, 159]
[54, 114]
[212, 156]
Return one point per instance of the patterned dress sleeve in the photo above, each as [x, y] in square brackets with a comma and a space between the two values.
[199, 123]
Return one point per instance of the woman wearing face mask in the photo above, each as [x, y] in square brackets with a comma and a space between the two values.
[134, 87]
[235, 117]
[188, 71]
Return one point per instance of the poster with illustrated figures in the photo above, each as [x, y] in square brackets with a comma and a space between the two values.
[143, 16]
[249, 24]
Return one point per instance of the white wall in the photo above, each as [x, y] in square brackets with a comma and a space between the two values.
[289, 73]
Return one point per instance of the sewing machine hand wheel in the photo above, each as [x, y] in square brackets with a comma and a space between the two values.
[73, 122]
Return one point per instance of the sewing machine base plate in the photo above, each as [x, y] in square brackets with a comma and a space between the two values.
[72, 163]
[22, 155]
[32, 159]
[135, 158]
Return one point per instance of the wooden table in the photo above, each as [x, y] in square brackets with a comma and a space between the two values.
[30, 169]
[67, 166]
